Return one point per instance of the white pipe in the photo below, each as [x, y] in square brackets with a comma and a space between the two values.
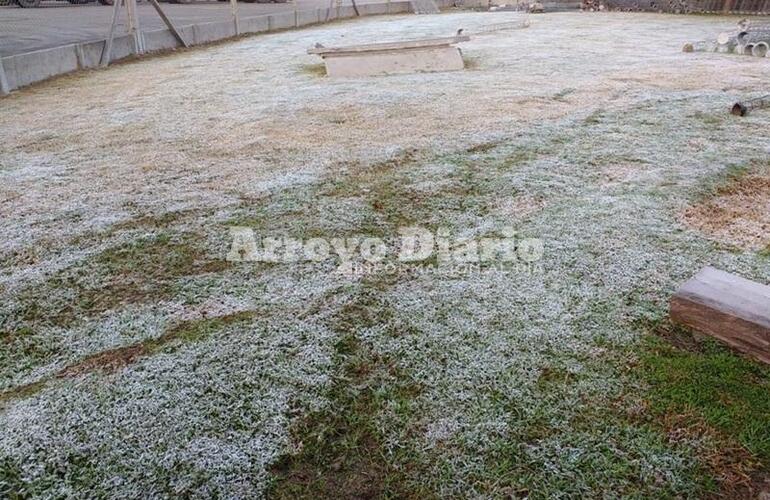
[760, 49]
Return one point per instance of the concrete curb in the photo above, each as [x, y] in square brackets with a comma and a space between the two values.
[25, 69]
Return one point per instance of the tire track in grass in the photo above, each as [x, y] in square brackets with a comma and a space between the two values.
[363, 444]
[343, 448]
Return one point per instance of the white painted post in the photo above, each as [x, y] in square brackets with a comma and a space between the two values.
[107, 52]
[236, 20]
[81, 57]
[129, 17]
[139, 32]
[5, 89]
[133, 26]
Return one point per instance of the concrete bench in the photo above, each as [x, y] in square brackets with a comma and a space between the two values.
[409, 56]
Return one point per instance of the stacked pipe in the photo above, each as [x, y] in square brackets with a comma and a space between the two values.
[592, 5]
[750, 39]
[754, 41]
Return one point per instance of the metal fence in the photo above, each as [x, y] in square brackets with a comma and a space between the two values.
[741, 7]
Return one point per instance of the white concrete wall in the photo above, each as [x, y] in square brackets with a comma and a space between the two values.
[211, 32]
[32, 67]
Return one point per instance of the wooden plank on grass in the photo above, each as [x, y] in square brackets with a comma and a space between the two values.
[730, 308]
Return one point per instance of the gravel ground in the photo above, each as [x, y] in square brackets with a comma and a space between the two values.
[591, 132]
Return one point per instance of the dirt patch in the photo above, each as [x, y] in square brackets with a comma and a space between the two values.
[316, 70]
[706, 392]
[735, 470]
[678, 336]
[483, 147]
[187, 330]
[144, 270]
[107, 361]
[113, 359]
[737, 213]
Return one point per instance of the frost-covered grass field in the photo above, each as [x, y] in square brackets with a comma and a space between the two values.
[135, 361]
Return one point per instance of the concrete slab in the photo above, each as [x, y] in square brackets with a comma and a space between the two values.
[39, 65]
[91, 54]
[122, 47]
[161, 40]
[210, 32]
[409, 56]
[281, 21]
[306, 17]
[374, 9]
[4, 87]
[345, 12]
[256, 24]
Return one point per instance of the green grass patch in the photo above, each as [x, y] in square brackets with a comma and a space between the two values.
[143, 270]
[729, 392]
[594, 118]
[201, 329]
[563, 93]
[710, 118]
[389, 190]
[472, 63]
[609, 449]
[316, 70]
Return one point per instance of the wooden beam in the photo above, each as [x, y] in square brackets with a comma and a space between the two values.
[730, 308]
[168, 22]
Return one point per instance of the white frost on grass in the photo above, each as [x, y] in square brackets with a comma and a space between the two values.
[203, 138]
[484, 344]
[206, 419]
